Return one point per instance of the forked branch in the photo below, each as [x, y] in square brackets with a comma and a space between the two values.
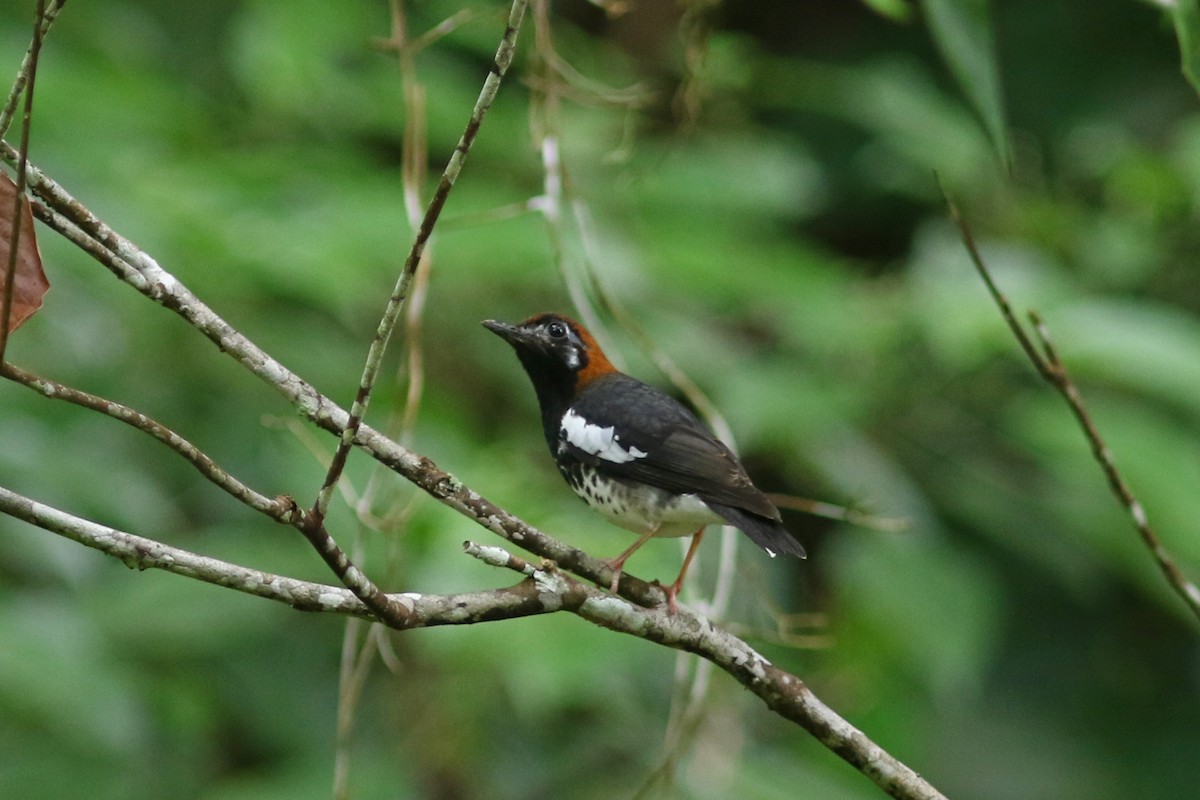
[547, 586]
[1052, 369]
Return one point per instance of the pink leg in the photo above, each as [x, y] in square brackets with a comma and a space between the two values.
[618, 563]
[673, 589]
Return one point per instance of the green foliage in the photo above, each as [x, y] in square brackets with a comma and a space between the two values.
[1187, 29]
[788, 247]
[963, 32]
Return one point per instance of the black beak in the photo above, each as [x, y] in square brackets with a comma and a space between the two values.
[509, 333]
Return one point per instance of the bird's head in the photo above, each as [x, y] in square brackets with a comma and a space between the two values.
[559, 354]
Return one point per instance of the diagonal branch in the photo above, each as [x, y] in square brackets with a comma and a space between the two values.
[500, 64]
[46, 17]
[137, 268]
[1052, 369]
[544, 589]
[281, 508]
[72, 219]
[1137, 513]
[137, 552]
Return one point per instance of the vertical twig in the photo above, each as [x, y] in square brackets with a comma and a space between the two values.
[546, 125]
[45, 20]
[685, 715]
[357, 660]
[10, 268]
[998, 296]
[694, 681]
[351, 680]
[383, 332]
[414, 158]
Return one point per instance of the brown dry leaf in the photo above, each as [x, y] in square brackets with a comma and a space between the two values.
[30, 283]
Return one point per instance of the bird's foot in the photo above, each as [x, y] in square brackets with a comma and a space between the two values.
[672, 592]
[615, 564]
[616, 579]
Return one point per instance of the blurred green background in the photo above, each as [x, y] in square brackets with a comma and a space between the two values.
[768, 211]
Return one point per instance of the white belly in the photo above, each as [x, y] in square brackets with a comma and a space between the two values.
[642, 509]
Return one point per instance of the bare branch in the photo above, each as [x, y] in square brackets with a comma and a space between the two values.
[141, 553]
[46, 18]
[282, 509]
[137, 552]
[544, 587]
[29, 70]
[1052, 369]
[783, 693]
[1001, 301]
[500, 64]
[1057, 375]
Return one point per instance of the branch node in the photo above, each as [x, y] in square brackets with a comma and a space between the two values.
[287, 510]
[498, 557]
[1052, 369]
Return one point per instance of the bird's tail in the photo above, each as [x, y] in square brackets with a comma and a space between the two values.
[769, 534]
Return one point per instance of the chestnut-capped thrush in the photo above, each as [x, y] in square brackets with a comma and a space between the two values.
[632, 453]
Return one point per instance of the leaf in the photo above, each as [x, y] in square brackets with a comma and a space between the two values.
[1187, 30]
[895, 10]
[963, 33]
[30, 284]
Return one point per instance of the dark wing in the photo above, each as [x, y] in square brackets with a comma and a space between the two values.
[680, 454]
[691, 460]
[661, 443]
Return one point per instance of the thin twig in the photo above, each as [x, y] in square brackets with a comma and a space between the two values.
[783, 693]
[27, 64]
[415, 157]
[10, 268]
[352, 679]
[1137, 513]
[357, 661]
[685, 713]
[998, 296]
[282, 508]
[695, 31]
[545, 589]
[1052, 369]
[820, 508]
[547, 116]
[374, 360]
[417, 264]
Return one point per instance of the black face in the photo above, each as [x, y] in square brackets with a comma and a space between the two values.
[547, 344]
[553, 353]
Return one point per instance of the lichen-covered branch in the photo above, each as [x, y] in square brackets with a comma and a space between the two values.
[391, 313]
[138, 552]
[545, 588]
[282, 509]
[783, 693]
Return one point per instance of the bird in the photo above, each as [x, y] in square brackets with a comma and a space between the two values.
[633, 453]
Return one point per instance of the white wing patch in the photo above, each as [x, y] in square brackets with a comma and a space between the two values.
[594, 440]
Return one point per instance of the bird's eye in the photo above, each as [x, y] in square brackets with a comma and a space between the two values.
[557, 330]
